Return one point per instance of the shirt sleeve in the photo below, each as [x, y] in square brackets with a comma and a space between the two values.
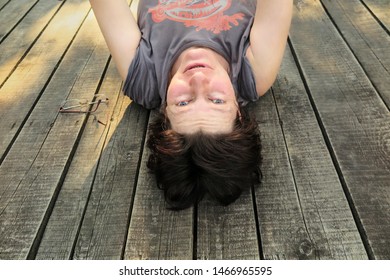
[246, 84]
[141, 82]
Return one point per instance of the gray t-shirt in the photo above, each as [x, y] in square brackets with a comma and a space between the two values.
[169, 27]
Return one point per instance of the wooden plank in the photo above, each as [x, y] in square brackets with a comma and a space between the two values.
[34, 167]
[66, 218]
[369, 41]
[356, 120]
[105, 223]
[156, 232]
[298, 215]
[16, 97]
[282, 226]
[328, 217]
[106, 183]
[24, 35]
[3, 3]
[63, 227]
[92, 245]
[227, 232]
[12, 14]
[381, 10]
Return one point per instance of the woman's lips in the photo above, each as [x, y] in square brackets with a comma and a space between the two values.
[195, 66]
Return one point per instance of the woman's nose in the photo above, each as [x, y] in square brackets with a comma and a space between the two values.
[199, 79]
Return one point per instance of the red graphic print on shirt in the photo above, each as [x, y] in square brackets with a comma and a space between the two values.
[202, 14]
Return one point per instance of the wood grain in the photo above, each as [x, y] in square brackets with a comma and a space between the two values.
[11, 14]
[156, 232]
[370, 42]
[34, 167]
[105, 223]
[328, 217]
[227, 232]
[3, 3]
[354, 117]
[35, 69]
[24, 36]
[381, 10]
[71, 188]
[94, 174]
[282, 226]
[66, 218]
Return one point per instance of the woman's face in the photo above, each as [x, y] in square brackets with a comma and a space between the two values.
[200, 95]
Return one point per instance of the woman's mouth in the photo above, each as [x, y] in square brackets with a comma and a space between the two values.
[195, 66]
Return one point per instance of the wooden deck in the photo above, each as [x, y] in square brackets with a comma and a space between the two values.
[72, 188]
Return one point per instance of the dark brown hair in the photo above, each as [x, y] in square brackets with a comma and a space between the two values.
[189, 166]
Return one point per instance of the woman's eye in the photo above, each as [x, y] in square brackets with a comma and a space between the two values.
[182, 103]
[218, 101]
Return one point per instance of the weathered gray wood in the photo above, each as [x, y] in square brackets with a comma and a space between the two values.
[11, 15]
[15, 46]
[356, 120]
[282, 226]
[3, 3]
[381, 9]
[302, 213]
[33, 169]
[24, 86]
[105, 223]
[66, 218]
[369, 41]
[328, 217]
[227, 232]
[63, 227]
[156, 232]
